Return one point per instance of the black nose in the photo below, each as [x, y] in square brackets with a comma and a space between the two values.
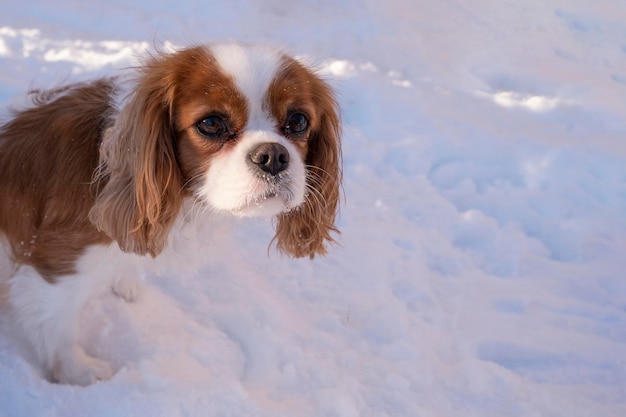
[270, 157]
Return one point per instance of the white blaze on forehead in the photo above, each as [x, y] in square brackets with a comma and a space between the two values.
[253, 67]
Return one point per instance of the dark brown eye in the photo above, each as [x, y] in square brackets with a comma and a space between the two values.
[297, 124]
[214, 127]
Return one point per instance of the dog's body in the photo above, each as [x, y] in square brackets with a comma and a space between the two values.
[92, 190]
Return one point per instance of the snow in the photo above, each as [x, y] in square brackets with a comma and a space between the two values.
[480, 270]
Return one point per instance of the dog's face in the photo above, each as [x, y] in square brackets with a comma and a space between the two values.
[243, 129]
[243, 141]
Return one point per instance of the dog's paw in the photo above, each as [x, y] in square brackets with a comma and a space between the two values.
[127, 288]
[78, 368]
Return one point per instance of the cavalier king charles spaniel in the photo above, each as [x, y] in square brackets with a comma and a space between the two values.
[99, 180]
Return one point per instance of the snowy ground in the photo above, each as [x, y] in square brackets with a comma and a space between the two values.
[482, 263]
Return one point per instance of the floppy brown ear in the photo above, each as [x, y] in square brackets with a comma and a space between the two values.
[307, 230]
[141, 195]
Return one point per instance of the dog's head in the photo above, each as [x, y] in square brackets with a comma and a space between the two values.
[241, 129]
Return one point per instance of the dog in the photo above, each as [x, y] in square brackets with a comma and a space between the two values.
[99, 178]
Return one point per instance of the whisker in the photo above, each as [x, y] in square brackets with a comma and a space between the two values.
[314, 197]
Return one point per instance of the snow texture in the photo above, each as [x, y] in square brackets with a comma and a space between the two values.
[482, 263]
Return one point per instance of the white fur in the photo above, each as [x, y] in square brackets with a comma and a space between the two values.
[47, 314]
[231, 186]
[253, 69]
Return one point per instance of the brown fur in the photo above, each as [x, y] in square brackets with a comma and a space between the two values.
[47, 157]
